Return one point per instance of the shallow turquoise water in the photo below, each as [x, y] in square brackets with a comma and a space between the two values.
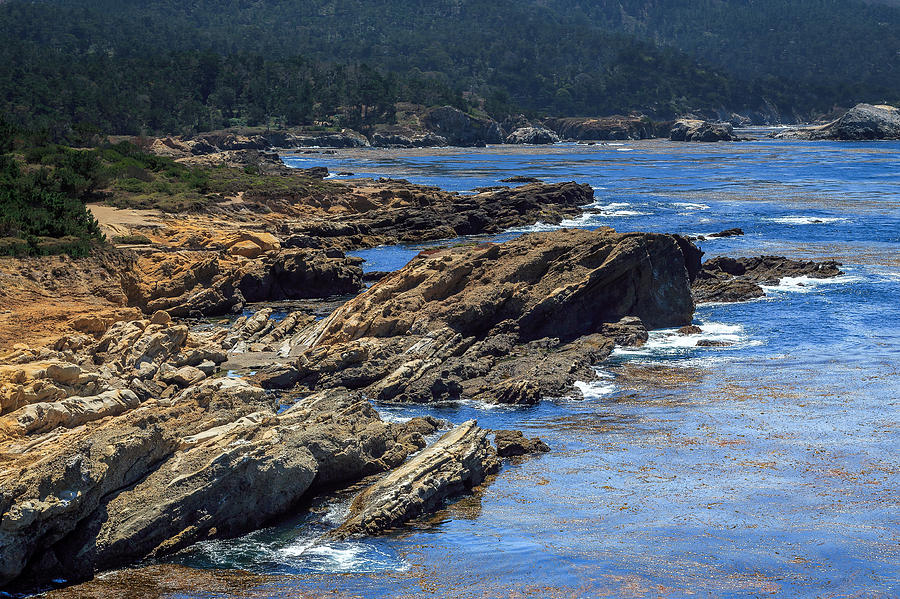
[767, 467]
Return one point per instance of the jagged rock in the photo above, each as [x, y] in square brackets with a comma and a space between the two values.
[461, 129]
[712, 343]
[862, 122]
[407, 213]
[457, 462]
[697, 130]
[628, 331]
[532, 135]
[602, 128]
[208, 285]
[727, 279]
[407, 139]
[509, 322]
[277, 376]
[513, 443]
[98, 482]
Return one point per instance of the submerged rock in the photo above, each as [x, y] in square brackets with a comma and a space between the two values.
[458, 461]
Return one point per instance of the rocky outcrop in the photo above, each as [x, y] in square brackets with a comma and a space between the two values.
[405, 138]
[602, 128]
[727, 279]
[457, 462]
[514, 443]
[501, 323]
[205, 284]
[697, 130]
[134, 451]
[402, 212]
[461, 129]
[860, 123]
[532, 135]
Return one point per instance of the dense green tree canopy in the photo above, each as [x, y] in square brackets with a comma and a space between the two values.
[171, 66]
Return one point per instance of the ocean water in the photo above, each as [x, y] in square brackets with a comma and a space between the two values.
[767, 467]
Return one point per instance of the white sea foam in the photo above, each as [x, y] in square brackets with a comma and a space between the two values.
[618, 209]
[348, 556]
[599, 388]
[624, 149]
[806, 220]
[806, 284]
[669, 342]
[690, 206]
[389, 416]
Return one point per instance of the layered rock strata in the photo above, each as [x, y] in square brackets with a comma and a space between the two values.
[457, 462]
[501, 323]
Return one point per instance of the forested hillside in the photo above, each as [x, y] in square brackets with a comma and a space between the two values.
[169, 66]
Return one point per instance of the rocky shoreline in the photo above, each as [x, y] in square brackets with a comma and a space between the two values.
[131, 427]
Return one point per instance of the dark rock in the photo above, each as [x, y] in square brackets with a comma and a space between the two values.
[408, 213]
[317, 172]
[373, 276]
[521, 179]
[696, 130]
[210, 286]
[300, 274]
[461, 129]
[712, 343]
[511, 323]
[514, 443]
[628, 332]
[728, 233]
[725, 279]
[602, 128]
[690, 329]
[277, 376]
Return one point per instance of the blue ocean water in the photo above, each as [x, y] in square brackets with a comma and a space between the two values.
[767, 467]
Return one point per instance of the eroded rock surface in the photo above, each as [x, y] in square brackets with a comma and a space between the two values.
[602, 128]
[501, 323]
[862, 122]
[128, 446]
[514, 443]
[532, 135]
[401, 212]
[697, 130]
[725, 279]
[452, 465]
